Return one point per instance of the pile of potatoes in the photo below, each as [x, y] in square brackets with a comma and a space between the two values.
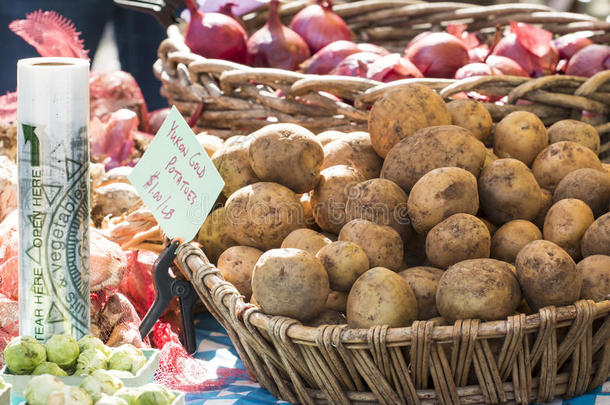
[433, 213]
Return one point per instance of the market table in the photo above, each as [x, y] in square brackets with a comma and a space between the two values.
[215, 347]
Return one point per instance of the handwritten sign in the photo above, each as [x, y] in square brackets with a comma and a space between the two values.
[176, 179]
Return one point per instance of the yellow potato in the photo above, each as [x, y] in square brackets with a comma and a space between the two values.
[589, 185]
[231, 161]
[344, 262]
[546, 198]
[511, 237]
[596, 240]
[236, 265]
[566, 223]
[329, 136]
[210, 143]
[354, 150]
[472, 115]
[213, 235]
[306, 239]
[576, 131]
[423, 281]
[595, 272]
[336, 301]
[520, 135]
[327, 317]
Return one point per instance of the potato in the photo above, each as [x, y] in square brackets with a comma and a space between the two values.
[382, 244]
[329, 197]
[114, 199]
[490, 226]
[484, 289]
[509, 191]
[210, 143]
[327, 317]
[424, 282]
[547, 200]
[596, 240]
[439, 194]
[308, 218]
[380, 201]
[213, 235]
[290, 282]
[442, 146]
[561, 158]
[236, 265]
[547, 274]
[403, 111]
[566, 223]
[306, 239]
[261, 215]
[520, 135]
[381, 297]
[589, 185]
[489, 157]
[287, 154]
[231, 161]
[511, 237]
[473, 116]
[595, 272]
[336, 301]
[459, 237]
[344, 262]
[354, 150]
[329, 136]
[575, 131]
[606, 167]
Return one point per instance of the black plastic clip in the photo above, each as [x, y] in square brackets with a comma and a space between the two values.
[168, 287]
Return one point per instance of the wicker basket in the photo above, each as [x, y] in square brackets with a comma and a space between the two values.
[237, 99]
[556, 352]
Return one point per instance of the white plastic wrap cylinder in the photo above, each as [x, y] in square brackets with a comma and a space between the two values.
[53, 164]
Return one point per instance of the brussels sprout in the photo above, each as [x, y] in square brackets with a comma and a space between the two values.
[23, 354]
[121, 373]
[89, 361]
[69, 396]
[101, 382]
[127, 358]
[46, 367]
[40, 387]
[91, 342]
[128, 394]
[63, 350]
[93, 387]
[153, 394]
[106, 400]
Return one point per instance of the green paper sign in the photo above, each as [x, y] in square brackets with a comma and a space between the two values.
[176, 179]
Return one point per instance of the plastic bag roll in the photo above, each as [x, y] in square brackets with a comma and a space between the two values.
[53, 164]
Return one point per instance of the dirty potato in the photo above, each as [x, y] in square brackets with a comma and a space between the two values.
[403, 111]
[566, 223]
[442, 146]
[548, 275]
[439, 194]
[287, 154]
[520, 135]
[231, 161]
[344, 262]
[290, 282]
[423, 280]
[575, 131]
[596, 240]
[511, 237]
[236, 265]
[354, 150]
[210, 143]
[336, 301]
[306, 239]
[327, 317]
[382, 244]
[485, 289]
[589, 185]
[595, 272]
[473, 116]
[381, 297]
[213, 235]
[547, 200]
[329, 136]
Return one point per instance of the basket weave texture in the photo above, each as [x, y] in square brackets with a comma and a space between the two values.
[561, 351]
[237, 99]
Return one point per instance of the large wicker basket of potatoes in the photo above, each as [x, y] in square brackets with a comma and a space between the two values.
[335, 87]
[412, 264]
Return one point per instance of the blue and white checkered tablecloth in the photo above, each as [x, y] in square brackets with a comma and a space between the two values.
[215, 347]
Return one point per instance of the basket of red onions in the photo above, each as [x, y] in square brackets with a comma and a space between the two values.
[322, 65]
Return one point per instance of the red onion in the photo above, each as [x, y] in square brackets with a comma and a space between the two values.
[478, 54]
[392, 67]
[437, 54]
[276, 45]
[568, 45]
[227, 9]
[328, 57]
[156, 119]
[505, 65]
[215, 35]
[589, 60]
[372, 48]
[476, 69]
[319, 25]
[530, 47]
[356, 65]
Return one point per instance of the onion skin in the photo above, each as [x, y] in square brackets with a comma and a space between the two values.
[276, 45]
[567, 45]
[589, 61]
[319, 26]
[372, 48]
[505, 65]
[327, 58]
[392, 67]
[437, 54]
[476, 69]
[215, 35]
[355, 65]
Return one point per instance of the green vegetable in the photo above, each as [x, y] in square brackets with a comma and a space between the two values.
[153, 394]
[121, 373]
[101, 382]
[129, 395]
[69, 396]
[91, 342]
[127, 358]
[89, 361]
[46, 367]
[39, 389]
[63, 350]
[23, 354]
[106, 400]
